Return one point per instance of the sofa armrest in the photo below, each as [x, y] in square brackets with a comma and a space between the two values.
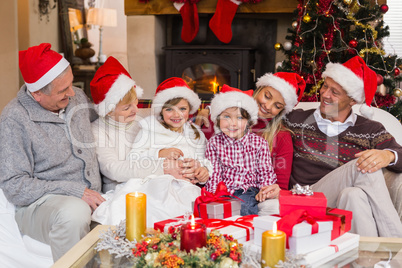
[394, 184]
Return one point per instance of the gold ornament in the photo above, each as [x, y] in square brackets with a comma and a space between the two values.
[397, 92]
[307, 18]
[354, 6]
[347, 2]
[294, 24]
[278, 46]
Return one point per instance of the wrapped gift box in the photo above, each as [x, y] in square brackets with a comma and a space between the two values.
[342, 221]
[315, 204]
[241, 228]
[219, 209]
[302, 240]
[164, 226]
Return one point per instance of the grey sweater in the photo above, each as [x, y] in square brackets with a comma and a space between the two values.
[41, 153]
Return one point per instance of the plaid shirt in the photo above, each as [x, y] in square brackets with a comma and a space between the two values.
[240, 164]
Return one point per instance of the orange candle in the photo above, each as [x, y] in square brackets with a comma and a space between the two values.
[136, 215]
[273, 247]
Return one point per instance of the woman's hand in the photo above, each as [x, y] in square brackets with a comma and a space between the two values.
[170, 153]
[268, 192]
[202, 118]
[201, 174]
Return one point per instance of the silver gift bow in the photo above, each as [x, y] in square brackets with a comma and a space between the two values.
[302, 190]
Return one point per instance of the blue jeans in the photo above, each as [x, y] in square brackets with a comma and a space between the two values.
[250, 204]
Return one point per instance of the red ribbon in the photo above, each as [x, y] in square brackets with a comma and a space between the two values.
[287, 222]
[245, 222]
[221, 194]
[335, 247]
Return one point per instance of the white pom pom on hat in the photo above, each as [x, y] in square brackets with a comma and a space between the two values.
[357, 79]
[110, 84]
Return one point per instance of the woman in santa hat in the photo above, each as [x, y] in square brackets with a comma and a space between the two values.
[165, 134]
[276, 95]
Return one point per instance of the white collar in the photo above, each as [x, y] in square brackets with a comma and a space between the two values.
[333, 128]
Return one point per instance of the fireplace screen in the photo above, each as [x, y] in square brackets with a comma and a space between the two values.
[206, 78]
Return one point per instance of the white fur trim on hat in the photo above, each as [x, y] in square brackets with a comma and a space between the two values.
[222, 101]
[287, 91]
[347, 79]
[175, 92]
[49, 76]
[367, 111]
[116, 93]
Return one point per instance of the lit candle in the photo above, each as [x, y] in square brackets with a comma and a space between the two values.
[273, 247]
[136, 215]
[193, 235]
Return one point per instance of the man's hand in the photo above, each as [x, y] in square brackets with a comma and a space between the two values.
[93, 198]
[268, 192]
[201, 174]
[170, 153]
[202, 118]
[373, 160]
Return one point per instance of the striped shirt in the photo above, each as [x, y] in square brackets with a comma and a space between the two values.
[241, 163]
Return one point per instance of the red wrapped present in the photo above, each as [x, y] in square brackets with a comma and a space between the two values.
[342, 221]
[314, 204]
[174, 223]
[218, 205]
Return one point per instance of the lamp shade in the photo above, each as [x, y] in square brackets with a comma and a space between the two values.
[75, 19]
[102, 17]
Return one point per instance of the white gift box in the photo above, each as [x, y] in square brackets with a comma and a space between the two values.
[301, 241]
[236, 232]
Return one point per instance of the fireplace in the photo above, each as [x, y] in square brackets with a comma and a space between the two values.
[206, 64]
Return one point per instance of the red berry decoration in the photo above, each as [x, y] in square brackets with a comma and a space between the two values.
[155, 247]
[397, 72]
[174, 236]
[380, 79]
[384, 8]
[353, 43]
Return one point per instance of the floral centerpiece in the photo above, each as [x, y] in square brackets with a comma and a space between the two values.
[158, 249]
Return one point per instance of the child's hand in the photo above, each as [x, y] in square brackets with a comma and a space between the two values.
[170, 153]
[268, 192]
[201, 174]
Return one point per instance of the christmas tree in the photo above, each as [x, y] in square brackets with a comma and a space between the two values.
[334, 31]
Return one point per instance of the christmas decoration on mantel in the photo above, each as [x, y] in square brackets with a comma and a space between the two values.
[220, 23]
[334, 31]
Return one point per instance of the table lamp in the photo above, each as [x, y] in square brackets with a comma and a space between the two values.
[102, 17]
[75, 23]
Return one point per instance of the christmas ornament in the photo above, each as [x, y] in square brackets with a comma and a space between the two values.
[382, 90]
[380, 79]
[287, 46]
[353, 43]
[278, 46]
[347, 2]
[384, 8]
[189, 14]
[397, 71]
[307, 18]
[294, 24]
[397, 92]
[278, 64]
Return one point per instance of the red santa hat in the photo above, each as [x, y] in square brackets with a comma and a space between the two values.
[40, 65]
[172, 88]
[109, 86]
[290, 85]
[357, 79]
[230, 97]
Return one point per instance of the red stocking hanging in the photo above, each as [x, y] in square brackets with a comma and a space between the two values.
[189, 15]
[221, 21]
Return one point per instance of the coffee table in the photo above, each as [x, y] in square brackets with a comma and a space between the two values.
[371, 251]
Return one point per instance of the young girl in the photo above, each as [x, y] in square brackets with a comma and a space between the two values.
[240, 159]
[168, 133]
[167, 196]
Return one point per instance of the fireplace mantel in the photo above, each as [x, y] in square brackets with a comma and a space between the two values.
[165, 7]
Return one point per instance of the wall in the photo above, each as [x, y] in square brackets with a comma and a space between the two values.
[8, 52]
[145, 39]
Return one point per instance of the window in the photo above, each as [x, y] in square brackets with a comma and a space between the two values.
[393, 43]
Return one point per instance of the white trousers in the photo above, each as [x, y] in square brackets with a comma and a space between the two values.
[58, 220]
[366, 195]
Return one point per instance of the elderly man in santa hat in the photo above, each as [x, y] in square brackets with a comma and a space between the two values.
[345, 155]
[49, 169]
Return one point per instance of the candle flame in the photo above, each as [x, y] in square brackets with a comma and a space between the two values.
[192, 220]
[274, 228]
[136, 194]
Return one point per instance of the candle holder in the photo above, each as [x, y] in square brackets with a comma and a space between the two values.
[136, 215]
